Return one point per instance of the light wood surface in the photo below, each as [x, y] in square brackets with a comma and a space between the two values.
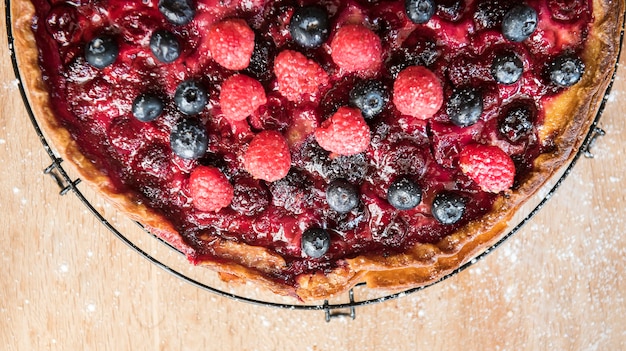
[67, 283]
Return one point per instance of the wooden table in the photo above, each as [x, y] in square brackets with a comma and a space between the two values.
[67, 283]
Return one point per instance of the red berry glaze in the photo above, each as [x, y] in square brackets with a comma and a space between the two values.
[231, 43]
[210, 189]
[241, 96]
[298, 76]
[417, 92]
[488, 166]
[268, 156]
[356, 48]
[345, 133]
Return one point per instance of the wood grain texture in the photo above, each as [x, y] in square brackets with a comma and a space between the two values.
[66, 283]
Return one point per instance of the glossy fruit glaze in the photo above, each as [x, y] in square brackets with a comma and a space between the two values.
[457, 44]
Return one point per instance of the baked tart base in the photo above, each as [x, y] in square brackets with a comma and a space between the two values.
[567, 116]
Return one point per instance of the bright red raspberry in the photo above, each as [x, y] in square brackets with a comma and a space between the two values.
[490, 167]
[297, 75]
[356, 48]
[344, 133]
[210, 189]
[241, 96]
[231, 43]
[268, 156]
[417, 92]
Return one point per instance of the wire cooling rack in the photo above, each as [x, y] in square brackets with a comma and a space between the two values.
[332, 310]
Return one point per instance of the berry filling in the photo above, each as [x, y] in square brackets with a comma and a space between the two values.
[320, 132]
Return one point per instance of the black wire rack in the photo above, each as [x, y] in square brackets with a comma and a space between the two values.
[331, 310]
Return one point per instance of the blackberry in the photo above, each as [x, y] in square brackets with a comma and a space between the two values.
[451, 10]
[517, 123]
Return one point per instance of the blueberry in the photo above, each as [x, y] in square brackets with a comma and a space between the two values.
[566, 70]
[309, 26]
[164, 46]
[465, 106]
[190, 97]
[507, 68]
[419, 11]
[342, 196]
[404, 194]
[369, 96]
[517, 123]
[448, 208]
[178, 12]
[315, 242]
[147, 107]
[519, 23]
[189, 139]
[101, 51]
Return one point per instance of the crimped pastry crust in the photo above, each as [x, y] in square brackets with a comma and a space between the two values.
[423, 263]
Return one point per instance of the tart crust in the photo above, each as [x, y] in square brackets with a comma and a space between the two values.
[422, 264]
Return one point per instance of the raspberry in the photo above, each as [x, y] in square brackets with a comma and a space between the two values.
[268, 156]
[210, 189]
[490, 167]
[356, 48]
[241, 96]
[231, 43]
[297, 75]
[417, 92]
[344, 133]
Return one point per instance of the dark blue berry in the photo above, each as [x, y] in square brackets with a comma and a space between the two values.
[519, 23]
[369, 96]
[315, 242]
[101, 51]
[566, 70]
[419, 11]
[465, 106]
[342, 196]
[147, 107]
[517, 123]
[404, 194]
[178, 12]
[189, 139]
[190, 97]
[164, 46]
[309, 26]
[448, 208]
[507, 68]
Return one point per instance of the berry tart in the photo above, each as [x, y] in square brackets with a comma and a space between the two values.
[309, 146]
